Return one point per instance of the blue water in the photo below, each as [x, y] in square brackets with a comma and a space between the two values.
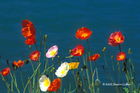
[60, 19]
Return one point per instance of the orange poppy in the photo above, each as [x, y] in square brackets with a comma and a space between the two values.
[55, 85]
[83, 33]
[28, 28]
[77, 51]
[34, 55]
[116, 38]
[19, 63]
[121, 56]
[5, 71]
[30, 40]
[93, 57]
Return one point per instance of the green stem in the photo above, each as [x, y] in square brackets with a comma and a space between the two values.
[21, 77]
[88, 77]
[16, 83]
[31, 77]
[114, 70]
[119, 47]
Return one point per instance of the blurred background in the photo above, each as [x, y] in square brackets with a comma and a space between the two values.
[59, 20]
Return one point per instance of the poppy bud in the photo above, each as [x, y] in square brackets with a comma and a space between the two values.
[77, 72]
[30, 47]
[8, 63]
[84, 66]
[26, 61]
[103, 67]
[70, 51]
[81, 69]
[104, 49]
[14, 67]
[47, 75]
[77, 60]
[129, 51]
[112, 57]
[0, 56]
[45, 37]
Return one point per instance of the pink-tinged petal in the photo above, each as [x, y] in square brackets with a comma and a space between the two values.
[52, 52]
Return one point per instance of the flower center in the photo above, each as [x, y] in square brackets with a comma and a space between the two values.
[63, 71]
[121, 57]
[4, 72]
[78, 51]
[118, 39]
[34, 56]
[84, 35]
[46, 82]
[52, 52]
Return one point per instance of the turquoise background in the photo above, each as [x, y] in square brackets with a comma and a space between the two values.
[60, 19]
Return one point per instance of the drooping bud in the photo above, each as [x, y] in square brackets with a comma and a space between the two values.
[84, 66]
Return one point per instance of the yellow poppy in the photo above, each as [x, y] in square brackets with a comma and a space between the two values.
[73, 65]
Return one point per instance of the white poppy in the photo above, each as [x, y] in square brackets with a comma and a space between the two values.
[62, 70]
[44, 83]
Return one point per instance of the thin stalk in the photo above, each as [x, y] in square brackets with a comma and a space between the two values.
[7, 84]
[21, 77]
[88, 77]
[114, 70]
[118, 64]
[74, 79]
[111, 80]
[107, 65]
[131, 74]
[16, 83]
[31, 77]
[119, 47]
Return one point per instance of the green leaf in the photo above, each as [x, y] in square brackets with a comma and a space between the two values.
[126, 90]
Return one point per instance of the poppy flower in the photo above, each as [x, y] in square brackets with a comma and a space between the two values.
[116, 38]
[44, 83]
[93, 57]
[83, 33]
[73, 65]
[34, 55]
[77, 51]
[30, 40]
[5, 71]
[19, 63]
[52, 52]
[55, 85]
[28, 28]
[62, 70]
[121, 56]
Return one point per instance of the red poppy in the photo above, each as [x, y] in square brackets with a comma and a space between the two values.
[28, 28]
[121, 56]
[30, 40]
[83, 33]
[93, 57]
[77, 51]
[34, 55]
[5, 71]
[55, 85]
[116, 38]
[19, 63]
